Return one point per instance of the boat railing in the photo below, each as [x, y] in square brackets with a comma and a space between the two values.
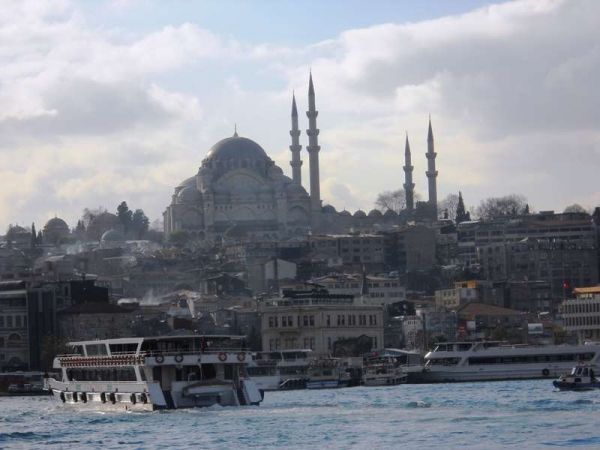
[158, 352]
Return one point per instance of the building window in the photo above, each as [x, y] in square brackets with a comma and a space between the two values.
[24, 321]
[18, 321]
[312, 343]
[1, 321]
[305, 320]
[290, 321]
[271, 322]
[328, 320]
[306, 342]
[312, 321]
[9, 322]
[284, 321]
[328, 343]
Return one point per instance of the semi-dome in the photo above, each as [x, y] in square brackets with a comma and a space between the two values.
[236, 147]
[112, 236]
[188, 182]
[375, 213]
[328, 209]
[188, 194]
[360, 213]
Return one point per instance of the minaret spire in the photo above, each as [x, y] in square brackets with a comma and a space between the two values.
[409, 186]
[431, 172]
[295, 148]
[235, 130]
[313, 152]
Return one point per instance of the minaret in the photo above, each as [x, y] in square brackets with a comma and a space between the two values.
[313, 151]
[409, 186]
[295, 148]
[431, 172]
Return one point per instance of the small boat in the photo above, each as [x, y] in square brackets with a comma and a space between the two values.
[280, 369]
[581, 378]
[328, 373]
[382, 371]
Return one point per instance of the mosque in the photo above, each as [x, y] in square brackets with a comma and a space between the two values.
[240, 192]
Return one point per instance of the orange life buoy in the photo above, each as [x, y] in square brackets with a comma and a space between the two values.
[222, 357]
[241, 356]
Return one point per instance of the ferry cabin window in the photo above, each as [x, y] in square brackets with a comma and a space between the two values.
[123, 348]
[96, 349]
[77, 350]
[531, 359]
[444, 361]
[93, 374]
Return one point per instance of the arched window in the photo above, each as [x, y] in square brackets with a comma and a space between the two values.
[14, 337]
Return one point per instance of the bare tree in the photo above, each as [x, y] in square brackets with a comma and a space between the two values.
[394, 200]
[509, 205]
[90, 213]
[575, 208]
[449, 204]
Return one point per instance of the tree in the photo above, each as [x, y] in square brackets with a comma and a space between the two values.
[394, 200]
[509, 205]
[449, 205]
[125, 215]
[179, 238]
[461, 214]
[574, 208]
[33, 236]
[89, 214]
[139, 223]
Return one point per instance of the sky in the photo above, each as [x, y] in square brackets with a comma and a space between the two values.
[105, 101]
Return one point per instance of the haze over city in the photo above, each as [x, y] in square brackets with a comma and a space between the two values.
[111, 101]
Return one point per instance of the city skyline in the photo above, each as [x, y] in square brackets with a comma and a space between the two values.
[100, 108]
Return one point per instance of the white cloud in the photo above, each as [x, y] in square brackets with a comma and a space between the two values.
[94, 116]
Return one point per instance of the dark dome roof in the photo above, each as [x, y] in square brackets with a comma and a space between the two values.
[360, 213]
[56, 223]
[236, 147]
[345, 213]
[390, 213]
[329, 209]
[375, 213]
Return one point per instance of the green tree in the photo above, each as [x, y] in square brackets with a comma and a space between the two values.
[33, 236]
[125, 215]
[139, 223]
[461, 213]
[179, 238]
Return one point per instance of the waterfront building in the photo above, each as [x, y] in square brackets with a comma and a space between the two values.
[454, 298]
[581, 315]
[316, 320]
[381, 290]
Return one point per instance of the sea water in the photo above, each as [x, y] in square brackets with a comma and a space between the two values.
[515, 414]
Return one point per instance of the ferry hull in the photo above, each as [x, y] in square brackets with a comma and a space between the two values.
[469, 373]
[326, 384]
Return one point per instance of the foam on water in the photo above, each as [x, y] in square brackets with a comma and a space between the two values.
[518, 414]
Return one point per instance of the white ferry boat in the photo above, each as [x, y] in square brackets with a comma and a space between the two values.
[155, 373]
[283, 369]
[327, 373]
[492, 360]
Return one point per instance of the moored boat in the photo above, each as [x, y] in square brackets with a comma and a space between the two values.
[155, 373]
[581, 378]
[328, 373]
[280, 369]
[494, 360]
[382, 370]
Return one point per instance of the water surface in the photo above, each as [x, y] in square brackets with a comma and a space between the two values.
[515, 414]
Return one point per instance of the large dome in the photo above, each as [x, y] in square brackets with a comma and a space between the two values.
[236, 147]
